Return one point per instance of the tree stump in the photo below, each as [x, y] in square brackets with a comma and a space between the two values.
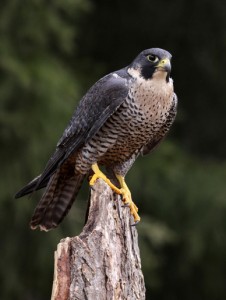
[103, 262]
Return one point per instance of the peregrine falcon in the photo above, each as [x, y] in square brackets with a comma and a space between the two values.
[123, 115]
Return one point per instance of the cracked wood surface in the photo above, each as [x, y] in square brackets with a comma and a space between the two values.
[103, 262]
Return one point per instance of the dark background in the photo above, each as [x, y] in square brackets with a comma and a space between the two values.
[51, 52]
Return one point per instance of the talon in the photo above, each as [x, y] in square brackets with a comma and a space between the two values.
[124, 191]
[127, 199]
[92, 188]
[135, 223]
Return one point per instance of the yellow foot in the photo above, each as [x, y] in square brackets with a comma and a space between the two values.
[124, 190]
[127, 199]
[98, 174]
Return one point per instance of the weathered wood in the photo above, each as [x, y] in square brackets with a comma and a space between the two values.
[103, 262]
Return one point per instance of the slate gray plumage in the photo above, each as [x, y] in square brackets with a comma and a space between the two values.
[123, 115]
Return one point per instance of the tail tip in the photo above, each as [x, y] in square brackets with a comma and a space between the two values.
[18, 195]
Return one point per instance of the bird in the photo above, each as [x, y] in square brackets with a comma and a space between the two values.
[125, 114]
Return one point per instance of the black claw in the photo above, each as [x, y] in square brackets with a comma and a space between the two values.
[135, 224]
[92, 188]
[125, 205]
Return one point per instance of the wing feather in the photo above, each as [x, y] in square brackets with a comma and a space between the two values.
[99, 103]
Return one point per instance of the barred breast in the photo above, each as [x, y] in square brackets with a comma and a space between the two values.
[139, 119]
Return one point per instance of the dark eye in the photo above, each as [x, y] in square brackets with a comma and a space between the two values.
[152, 58]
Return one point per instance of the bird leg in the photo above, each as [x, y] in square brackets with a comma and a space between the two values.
[99, 174]
[126, 194]
[124, 190]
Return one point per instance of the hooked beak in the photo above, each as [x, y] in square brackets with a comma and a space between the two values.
[164, 65]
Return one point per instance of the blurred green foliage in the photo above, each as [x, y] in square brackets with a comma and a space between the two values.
[50, 53]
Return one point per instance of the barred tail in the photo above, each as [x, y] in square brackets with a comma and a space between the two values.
[56, 201]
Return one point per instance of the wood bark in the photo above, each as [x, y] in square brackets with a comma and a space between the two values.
[103, 262]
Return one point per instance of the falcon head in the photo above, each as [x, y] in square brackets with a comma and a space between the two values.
[152, 61]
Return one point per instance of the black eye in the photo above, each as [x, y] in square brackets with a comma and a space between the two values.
[152, 58]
